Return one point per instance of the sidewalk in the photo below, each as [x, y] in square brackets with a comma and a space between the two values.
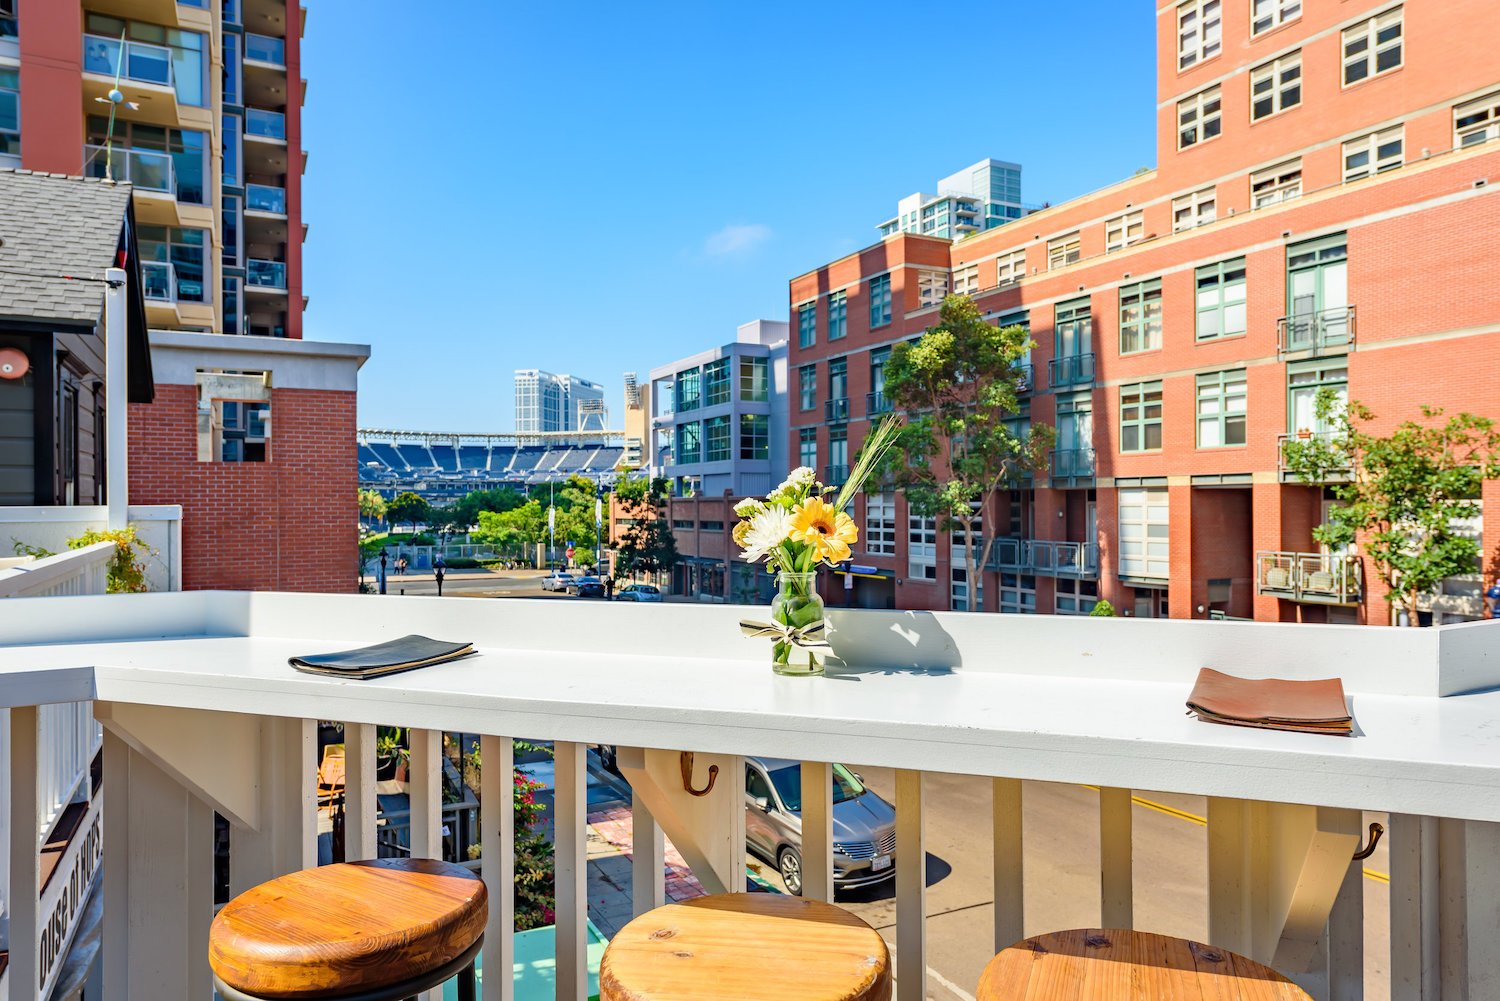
[609, 855]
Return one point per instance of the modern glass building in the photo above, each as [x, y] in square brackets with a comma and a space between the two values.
[548, 402]
[979, 197]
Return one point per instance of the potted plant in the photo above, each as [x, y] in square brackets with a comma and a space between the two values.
[390, 754]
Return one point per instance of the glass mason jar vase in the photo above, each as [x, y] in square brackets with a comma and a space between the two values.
[796, 604]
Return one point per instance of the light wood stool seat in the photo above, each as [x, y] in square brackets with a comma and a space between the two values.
[746, 947]
[1110, 964]
[358, 931]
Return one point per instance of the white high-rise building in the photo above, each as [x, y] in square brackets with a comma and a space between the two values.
[979, 197]
[548, 402]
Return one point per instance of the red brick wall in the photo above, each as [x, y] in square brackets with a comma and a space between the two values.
[289, 524]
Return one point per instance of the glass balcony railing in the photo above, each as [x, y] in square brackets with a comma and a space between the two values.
[264, 49]
[877, 403]
[836, 409]
[158, 281]
[1311, 578]
[265, 124]
[265, 274]
[1072, 463]
[1062, 559]
[146, 169]
[1071, 370]
[1007, 553]
[1321, 330]
[143, 63]
[265, 198]
[835, 475]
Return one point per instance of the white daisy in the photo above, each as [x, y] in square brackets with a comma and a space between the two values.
[768, 529]
[749, 507]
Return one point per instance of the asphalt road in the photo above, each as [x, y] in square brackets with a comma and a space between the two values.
[474, 584]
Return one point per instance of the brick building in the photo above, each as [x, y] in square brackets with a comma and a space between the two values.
[1324, 213]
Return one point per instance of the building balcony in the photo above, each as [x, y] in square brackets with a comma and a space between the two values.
[166, 288]
[1325, 331]
[1328, 443]
[876, 404]
[1071, 466]
[145, 73]
[1310, 578]
[1046, 558]
[265, 126]
[265, 276]
[203, 715]
[163, 197]
[265, 199]
[263, 51]
[836, 410]
[1026, 380]
[835, 475]
[1008, 553]
[1071, 370]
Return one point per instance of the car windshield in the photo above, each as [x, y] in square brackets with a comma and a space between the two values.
[788, 782]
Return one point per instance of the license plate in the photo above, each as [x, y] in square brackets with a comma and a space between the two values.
[880, 863]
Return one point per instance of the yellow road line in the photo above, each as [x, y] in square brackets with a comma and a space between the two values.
[1193, 818]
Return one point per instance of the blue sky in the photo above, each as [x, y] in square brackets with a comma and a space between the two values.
[595, 188]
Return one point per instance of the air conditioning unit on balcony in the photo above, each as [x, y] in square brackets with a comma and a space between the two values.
[1278, 578]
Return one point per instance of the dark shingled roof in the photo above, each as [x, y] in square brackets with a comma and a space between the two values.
[53, 225]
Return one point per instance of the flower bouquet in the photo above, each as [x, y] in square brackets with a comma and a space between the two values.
[796, 530]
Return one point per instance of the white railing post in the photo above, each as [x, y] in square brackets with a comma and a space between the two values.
[425, 793]
[571, 870]
[1009, 863]
[1116, 888]
[25, 873]
[497, 855]
[817, 830]
[911, 889]
[648, 859]
[360, 834]
[1412, 846]
[1469, 912]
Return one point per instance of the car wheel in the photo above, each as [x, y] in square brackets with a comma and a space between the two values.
[789, 863]
[609, 758]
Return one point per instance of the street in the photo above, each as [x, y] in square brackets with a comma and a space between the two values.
[471, 584]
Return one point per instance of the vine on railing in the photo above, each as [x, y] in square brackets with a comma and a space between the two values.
[127, 568]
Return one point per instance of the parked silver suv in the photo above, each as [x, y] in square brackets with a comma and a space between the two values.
[864, 825]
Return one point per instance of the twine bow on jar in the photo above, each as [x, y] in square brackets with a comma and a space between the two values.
[808, 637]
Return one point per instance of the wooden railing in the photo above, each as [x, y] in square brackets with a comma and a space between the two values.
[202, 715]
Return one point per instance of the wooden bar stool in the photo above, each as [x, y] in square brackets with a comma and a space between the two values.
[746, 947]
[380, 930]
[1109, 964]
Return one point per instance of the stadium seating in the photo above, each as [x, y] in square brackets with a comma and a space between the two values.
[441, 469]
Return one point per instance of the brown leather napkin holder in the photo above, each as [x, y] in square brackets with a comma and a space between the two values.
[1271, 703]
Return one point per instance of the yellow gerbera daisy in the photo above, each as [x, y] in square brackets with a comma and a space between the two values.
[827, 530]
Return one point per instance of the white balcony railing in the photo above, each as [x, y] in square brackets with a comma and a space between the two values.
[203, 715]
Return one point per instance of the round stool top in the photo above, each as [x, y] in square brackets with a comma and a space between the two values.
[1093, 964]
[746, 947]
[341, 929]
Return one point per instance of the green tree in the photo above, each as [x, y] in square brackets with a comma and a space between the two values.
[535, 886]
[512, 531]
[371, 505]
[961, 445]
[647, 546]
[465, 511]
[408, 509]
[1402, 492]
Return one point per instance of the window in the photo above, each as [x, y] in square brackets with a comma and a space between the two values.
[1195, 209]
[1199, 31]
[1062, 251]
[1280, 183]
[1144, 538]
[716, 382]
[807, 448]
[1140, 417]
[1017, 593]
[1198, 118]
[838, 454]
[233, 251]
[174, 263]
[1304, 380]
[232, 129]
[921, 547]
[1221, 299]
[683, 524]
[231, 68]
[1075, 597]
[716, 435]
[1374, 153]
[755, 436]
[154, 54]
[838, 378]
[807, 387]
[807, 324]
[232, 321]
[8, 26]
[1268, 14]
[878, 358]
[10, 112]
[880, 524]
[1276, 86]
[1221, 409]
[1123, 230]
[1317, 294]
[689, 390]
[1473, 123]
[1010, 267]
[880, 301]
[663, 451]
[238, 408]
[1140, 317]
[966, 280]
[931, 287]
[152, 157]
[1372, 47]
[755, 383]
[690, 442]
[838, 315]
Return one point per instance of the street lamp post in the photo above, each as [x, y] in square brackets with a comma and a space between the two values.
[438, 566]
[384, 555]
